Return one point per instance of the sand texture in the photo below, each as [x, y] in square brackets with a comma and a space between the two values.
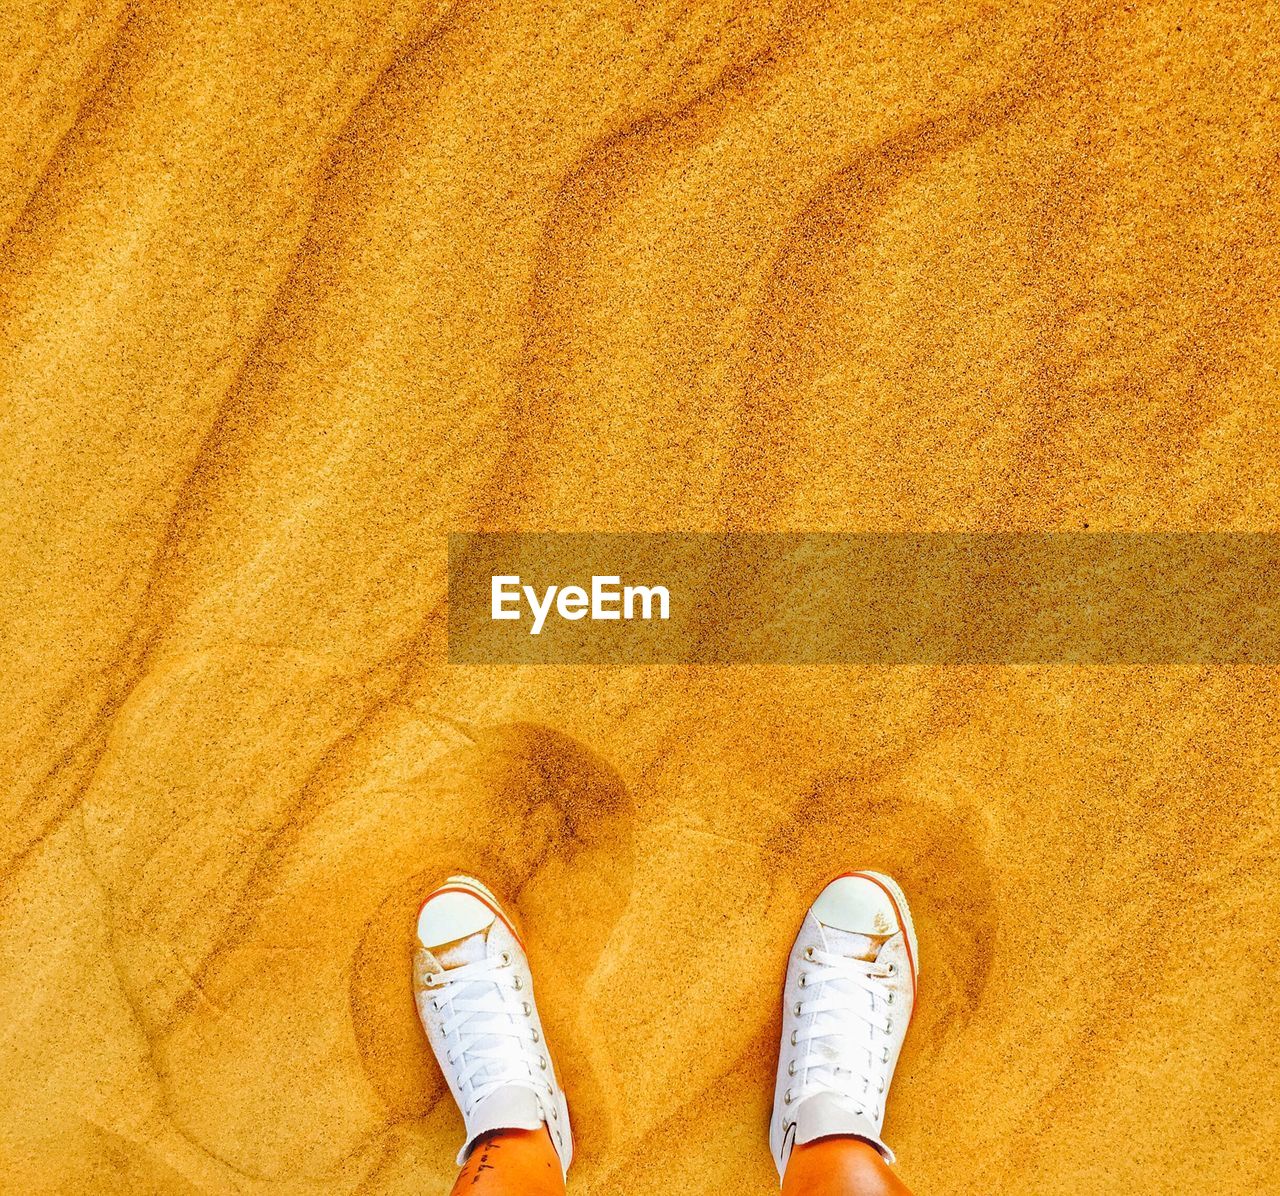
[289, 291]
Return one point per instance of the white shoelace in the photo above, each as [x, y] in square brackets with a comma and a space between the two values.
[849, 1036]
[496, 1044]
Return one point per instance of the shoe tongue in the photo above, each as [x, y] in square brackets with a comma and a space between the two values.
[472, 949]
[508, 1108]
[826, 1114]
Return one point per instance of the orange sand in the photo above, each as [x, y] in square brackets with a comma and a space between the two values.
[290, 290]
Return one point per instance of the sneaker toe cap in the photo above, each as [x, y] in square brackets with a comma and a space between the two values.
[857, 904]
[450, 915]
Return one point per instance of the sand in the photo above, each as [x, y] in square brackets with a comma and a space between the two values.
[290, 291]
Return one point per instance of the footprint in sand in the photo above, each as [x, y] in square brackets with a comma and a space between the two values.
[261, 915]
[933, 850]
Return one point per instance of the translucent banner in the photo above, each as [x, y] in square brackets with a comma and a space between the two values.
[1071, 598]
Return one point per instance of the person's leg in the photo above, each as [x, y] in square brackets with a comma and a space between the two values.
[474, 993]
[840, 1167]
[512, 1163]
[850, 991]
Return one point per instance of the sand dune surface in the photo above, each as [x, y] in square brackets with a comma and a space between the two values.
[288, 292]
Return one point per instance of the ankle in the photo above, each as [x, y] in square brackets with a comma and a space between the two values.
[512, 1163]
[838, 1165]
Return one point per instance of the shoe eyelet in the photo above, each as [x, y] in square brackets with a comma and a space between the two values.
[786, 1097]
[555, 1113]
[890, 1001]
[808, 953]
[797, 1008]
[517, 983]
[506, 959]
[794, 1040]
[892, 969]
[791, 1068]
[804, 981]
[881, 1088]
[536, 1036]
[885, 1057]
[888, 1025]
[528, 1009]
[542, 1062]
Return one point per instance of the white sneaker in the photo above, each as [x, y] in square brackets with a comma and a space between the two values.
[475, 999]
[850, 990]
